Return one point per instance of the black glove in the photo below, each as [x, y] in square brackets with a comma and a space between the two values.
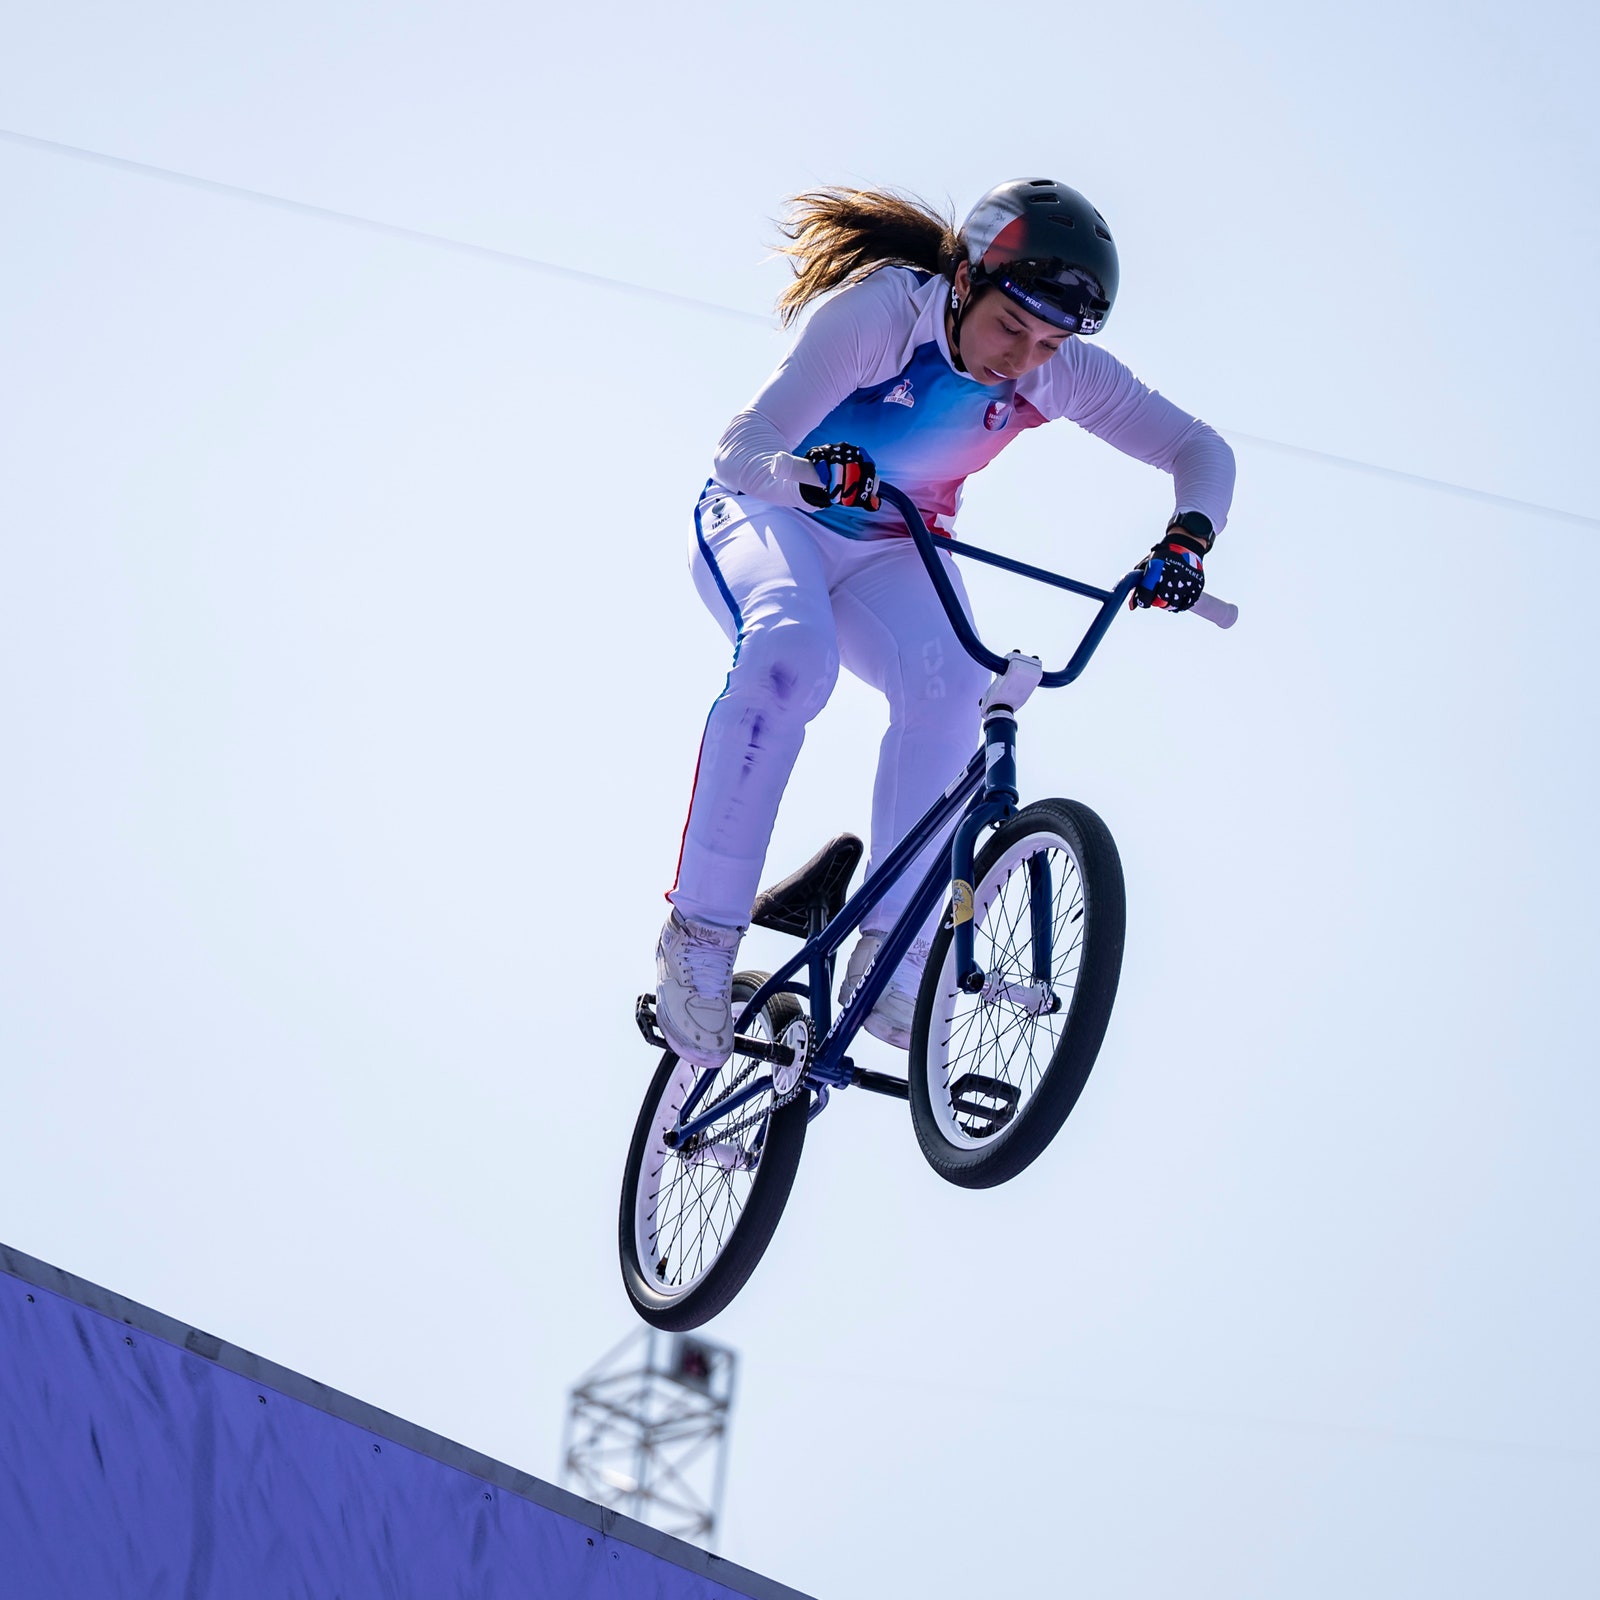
[1172, 576]
[852, 479]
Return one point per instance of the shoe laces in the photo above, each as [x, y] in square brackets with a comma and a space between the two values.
[706, 964]
[909, 972]
[908, 975]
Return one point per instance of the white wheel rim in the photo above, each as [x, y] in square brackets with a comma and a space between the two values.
[685, 1212]
[1004, 1037]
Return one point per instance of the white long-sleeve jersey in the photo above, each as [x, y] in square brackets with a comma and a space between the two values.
[872, 368]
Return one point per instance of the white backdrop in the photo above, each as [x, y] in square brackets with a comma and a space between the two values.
[350, 683]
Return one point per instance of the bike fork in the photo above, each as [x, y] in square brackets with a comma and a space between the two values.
[999, 803]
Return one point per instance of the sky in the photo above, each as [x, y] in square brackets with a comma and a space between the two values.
[351, 679]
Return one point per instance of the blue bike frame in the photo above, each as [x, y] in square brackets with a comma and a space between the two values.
[984, 795]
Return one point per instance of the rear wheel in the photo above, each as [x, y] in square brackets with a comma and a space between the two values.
[993, 1075]
[696, 1220]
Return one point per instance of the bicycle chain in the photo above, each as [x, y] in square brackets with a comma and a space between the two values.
[750, 1120]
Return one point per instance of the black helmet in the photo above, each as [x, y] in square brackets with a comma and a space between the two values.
[1043, 245]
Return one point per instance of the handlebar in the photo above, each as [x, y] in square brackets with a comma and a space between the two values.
[1221, 612]
[1111, 601]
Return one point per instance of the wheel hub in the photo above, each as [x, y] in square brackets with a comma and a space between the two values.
[1036, 999]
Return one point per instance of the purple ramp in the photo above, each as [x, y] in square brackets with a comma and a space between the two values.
[140, 1457]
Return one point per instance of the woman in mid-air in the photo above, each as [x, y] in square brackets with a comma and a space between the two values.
[941, 347]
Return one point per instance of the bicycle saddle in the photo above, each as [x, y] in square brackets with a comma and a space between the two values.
[823, 881]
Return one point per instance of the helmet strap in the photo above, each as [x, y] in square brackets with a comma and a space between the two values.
[957, 306]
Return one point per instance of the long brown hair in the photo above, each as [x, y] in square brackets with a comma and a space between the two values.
[838, 235]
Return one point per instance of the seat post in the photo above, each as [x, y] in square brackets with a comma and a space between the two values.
[821, 977]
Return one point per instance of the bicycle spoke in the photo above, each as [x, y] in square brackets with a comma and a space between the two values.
[997, 1071]
[693, 1199]
[999, 1037]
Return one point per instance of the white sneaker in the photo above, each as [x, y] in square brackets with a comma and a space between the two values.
[694, 988]
[890, 1018]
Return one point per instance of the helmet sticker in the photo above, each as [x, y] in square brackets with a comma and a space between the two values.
[988, 220]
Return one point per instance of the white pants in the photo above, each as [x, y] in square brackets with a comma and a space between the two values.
[797, 599]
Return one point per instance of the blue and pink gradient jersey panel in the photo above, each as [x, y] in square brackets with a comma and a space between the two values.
[927, 428]
[872, 368]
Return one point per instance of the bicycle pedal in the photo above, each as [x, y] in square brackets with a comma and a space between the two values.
[644, 1017]
[968, 1097]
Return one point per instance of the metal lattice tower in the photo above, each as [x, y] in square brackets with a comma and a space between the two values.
[647, 1431]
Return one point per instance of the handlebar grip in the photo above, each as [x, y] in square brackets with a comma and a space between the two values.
[1221, 612]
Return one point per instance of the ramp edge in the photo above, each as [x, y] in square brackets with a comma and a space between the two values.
[447, 1452]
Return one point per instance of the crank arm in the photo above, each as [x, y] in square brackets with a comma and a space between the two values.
[880, 1083]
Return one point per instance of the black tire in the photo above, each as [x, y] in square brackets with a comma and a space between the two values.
[691, 1232]
[994, 1075]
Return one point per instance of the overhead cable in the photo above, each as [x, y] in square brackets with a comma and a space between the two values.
[1438, 485]
[511, 258]
[440, 241]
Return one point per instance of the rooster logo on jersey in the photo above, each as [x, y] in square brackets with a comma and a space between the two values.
[900, 395]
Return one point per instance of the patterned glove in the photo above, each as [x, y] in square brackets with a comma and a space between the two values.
[849, 477]
[1172, 576]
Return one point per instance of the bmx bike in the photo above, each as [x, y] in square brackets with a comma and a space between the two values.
[1012, 1008]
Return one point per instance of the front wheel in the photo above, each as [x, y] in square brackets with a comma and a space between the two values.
[995, 1074]
[695, 1221]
